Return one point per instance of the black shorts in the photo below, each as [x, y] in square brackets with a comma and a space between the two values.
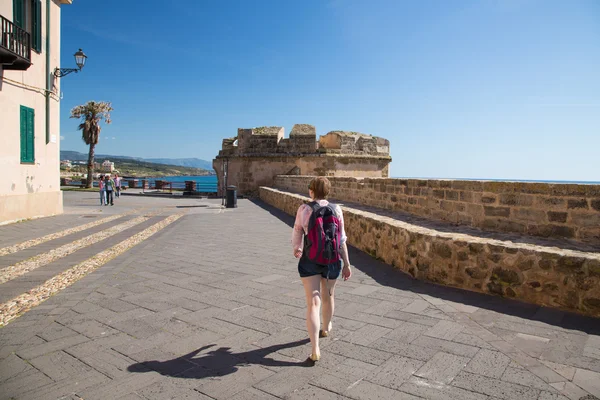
[308, 268]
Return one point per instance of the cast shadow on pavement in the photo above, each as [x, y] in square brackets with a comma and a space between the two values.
[389, 276]
[220, 362]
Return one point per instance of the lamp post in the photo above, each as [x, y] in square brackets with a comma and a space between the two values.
[80, 58]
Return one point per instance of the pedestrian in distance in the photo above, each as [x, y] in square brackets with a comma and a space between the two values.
[117, 186]
[110, 187]
[102, 187]
[319, 242]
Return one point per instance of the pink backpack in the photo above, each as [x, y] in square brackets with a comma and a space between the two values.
[322, 242]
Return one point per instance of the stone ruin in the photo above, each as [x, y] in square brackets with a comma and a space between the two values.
[270, 140]
[256, 155]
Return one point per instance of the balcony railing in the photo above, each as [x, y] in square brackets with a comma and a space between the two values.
[15, 40]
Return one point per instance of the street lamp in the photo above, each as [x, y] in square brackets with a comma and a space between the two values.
[80, 58]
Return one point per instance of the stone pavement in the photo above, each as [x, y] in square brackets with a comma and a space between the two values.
[211, 307]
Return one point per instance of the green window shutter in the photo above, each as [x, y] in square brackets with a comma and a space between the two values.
[36, 25]
[19, 13]
[30, 135]
[27, 135]
[23, 134]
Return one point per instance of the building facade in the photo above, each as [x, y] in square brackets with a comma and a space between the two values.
[29, 109]
[108, 166]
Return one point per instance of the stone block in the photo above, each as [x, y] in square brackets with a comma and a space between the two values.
[475, 210]
[452, 195]
[577, 203]
[49, 347]
[557, 203]
[494, 387]
[476, 273]
[446, 346]
[488, 363]
[526, 200]
[407, 332]
[466, 196]
[443, 367]
[394, 372]
[430, 390]
[404, 349]
[529, 214]
[303, 130]
[557, 216]
[365, 390]
[229, 385]
[488, 198]
[361, 353]
[497, 211]
[585, 219]
[509, 199]
[446, 330]
[447, 205]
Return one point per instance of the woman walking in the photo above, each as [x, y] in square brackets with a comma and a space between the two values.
[102, 187]
[319, 278]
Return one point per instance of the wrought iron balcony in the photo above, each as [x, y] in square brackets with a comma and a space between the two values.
[15, 46]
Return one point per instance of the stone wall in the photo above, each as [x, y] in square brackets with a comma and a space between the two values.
[546, 276]
[537, 209]
[255, 156]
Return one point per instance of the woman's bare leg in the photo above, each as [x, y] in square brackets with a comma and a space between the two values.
[327, 296]
[313, 308]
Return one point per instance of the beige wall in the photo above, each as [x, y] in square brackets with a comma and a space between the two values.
[30, 190]
[538, 209]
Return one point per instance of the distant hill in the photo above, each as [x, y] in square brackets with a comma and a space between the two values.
[77, 156]
[136, 166]
[183, 162]
[180, 162]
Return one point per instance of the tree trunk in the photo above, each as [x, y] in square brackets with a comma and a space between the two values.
[90, 173]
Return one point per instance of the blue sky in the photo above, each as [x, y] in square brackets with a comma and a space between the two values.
[503, 89]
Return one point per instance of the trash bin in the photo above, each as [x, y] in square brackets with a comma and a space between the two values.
[190, 186]
[231, 197]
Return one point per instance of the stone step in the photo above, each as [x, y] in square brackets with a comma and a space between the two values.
[549, 272]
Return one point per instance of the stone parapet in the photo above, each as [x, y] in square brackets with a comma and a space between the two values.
[546, 275]
[537, 209]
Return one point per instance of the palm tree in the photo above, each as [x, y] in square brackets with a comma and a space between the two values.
[91, 114]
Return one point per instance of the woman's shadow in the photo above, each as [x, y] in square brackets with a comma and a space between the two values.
[217, 362]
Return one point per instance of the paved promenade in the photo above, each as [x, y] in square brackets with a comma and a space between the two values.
[180, 299]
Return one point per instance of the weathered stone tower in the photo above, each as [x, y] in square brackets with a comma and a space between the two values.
[256, 156]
